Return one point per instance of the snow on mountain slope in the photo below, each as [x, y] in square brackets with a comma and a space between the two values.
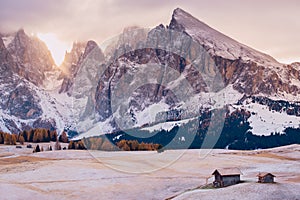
[213, 100]
[31, 94]
[25, 100]
[51, 81]
[7, 40]
[56, 108]
[296, 65]
[166, 125]
[218, 43]
[2, 125]
[265, 121]
[249, 70]
[90, 128]
[245, 71]
[32, 57]
[43, 108]
[147, 116]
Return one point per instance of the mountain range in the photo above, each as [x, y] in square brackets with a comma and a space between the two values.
[152, 80]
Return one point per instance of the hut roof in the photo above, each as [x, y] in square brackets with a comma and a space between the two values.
[263, 174]
[227, 171]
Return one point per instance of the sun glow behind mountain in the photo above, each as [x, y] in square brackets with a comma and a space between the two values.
[56, 46]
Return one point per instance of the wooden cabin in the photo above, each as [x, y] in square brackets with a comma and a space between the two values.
[265, 178]
[226, 177]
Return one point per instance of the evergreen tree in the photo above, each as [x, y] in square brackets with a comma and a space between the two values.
[1, 137]
[25, 135]
[37, 149]
[30, 135]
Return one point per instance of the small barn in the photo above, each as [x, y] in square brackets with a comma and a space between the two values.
[265, 178]
[226, 177]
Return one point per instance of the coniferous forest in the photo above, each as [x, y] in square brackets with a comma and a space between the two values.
[235, 134]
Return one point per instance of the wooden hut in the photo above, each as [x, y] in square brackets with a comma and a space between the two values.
[226, 177]
[265, 178]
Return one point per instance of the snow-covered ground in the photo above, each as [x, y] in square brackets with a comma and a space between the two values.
[98, 175]
[265, 121]
[247, 191]
[166, 125]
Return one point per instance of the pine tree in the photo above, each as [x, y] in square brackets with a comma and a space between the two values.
[25, 135]
[37, 148]
[49, 135]
[1, 137]
[30, 135]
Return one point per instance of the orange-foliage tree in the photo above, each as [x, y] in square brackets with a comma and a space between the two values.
[76, 145]
[63, 137]
[134, 145]
[8, 139]
[33, 135]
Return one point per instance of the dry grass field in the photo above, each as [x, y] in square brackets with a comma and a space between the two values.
[75, 174]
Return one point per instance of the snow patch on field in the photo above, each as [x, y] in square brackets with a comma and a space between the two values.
[44, 174]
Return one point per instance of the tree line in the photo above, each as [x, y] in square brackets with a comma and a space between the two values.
[134, 145]
[236, 133]
[33, 135]
[106, 144]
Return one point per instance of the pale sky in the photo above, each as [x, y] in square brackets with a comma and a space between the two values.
[271, 26]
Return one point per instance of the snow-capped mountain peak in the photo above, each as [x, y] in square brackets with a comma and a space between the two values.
[32, 57]
[215, 42]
